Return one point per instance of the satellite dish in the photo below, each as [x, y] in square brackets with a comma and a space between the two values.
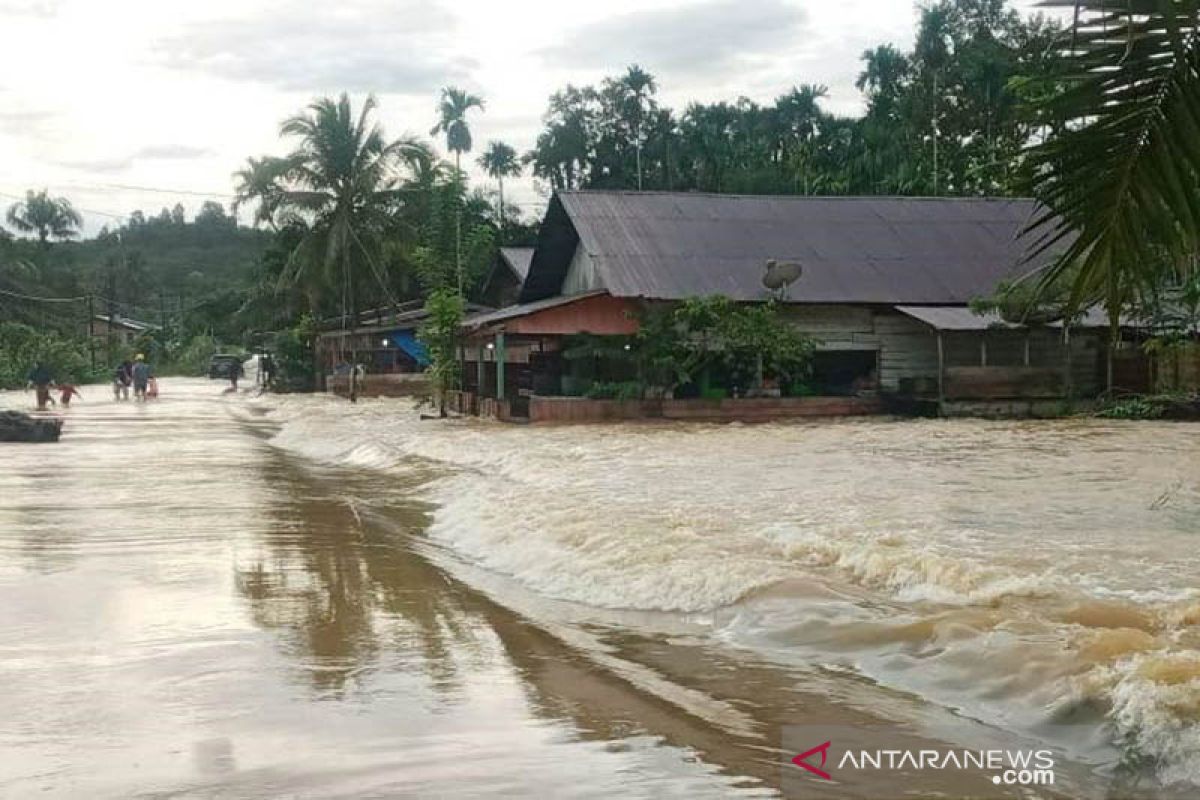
[780, 275]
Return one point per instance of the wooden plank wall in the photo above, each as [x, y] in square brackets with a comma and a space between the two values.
[907, 349]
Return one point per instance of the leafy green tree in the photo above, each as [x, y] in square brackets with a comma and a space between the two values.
[500, 161]
[439, 334]
[48, 217]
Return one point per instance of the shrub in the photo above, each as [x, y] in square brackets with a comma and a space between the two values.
[22, 346]
[1132, 408]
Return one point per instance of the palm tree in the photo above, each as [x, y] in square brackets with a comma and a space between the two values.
[452, 112]
[1120, 181]
[500, 160]
[639, 86]
[48, 217]
[259, 181]
[337, 190]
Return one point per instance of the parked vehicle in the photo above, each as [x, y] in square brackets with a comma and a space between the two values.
[222, 366]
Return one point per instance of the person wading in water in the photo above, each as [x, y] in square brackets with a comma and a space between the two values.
[122, 377]
[40, 380]
[141, 377]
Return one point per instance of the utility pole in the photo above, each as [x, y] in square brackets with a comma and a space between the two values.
[91, 319]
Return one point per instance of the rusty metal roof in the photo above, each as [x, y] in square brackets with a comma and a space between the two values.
[883, 250]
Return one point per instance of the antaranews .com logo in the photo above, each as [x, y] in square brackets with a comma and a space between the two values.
[853, 758]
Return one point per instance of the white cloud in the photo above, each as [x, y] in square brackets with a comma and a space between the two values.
[142, 93]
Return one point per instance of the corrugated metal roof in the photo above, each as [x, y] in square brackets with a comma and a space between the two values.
[853, 249]
[518, 258]
[521, 309]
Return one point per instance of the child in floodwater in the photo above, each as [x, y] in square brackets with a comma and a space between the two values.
[152, 388]
[67, 390]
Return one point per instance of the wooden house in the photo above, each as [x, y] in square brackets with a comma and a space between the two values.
[884, 290]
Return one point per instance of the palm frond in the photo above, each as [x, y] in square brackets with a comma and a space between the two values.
[1121, 181]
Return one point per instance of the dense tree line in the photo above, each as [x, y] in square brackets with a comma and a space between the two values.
[944, 118]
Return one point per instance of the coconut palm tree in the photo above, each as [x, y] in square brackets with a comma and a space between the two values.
[1120, 182]
[48, 217]
[342, 183]
[499, 161]
[452, 121]
[259, 182]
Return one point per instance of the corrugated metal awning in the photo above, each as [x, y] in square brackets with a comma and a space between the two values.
[962, 318]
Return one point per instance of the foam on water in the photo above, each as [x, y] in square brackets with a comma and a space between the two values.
[1004, 569]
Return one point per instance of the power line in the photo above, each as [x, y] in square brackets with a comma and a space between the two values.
[36, 298]
[79, 208]
[154, 189]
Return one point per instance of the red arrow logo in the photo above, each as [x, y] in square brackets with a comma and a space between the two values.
[801, 760]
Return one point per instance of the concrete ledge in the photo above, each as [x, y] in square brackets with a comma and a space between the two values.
[765, 409]
[401, 384]
[582, 409]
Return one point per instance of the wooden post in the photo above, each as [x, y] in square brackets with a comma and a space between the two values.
[941, 372]
[983, 349]
[1027, 348]
[1113, 340]
[1068, 389]
[479, 371]
[500, 365]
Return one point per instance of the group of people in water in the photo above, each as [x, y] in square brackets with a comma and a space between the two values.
[136, 374]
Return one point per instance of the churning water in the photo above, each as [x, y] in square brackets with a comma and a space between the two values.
[1038, 576]
[619, 609]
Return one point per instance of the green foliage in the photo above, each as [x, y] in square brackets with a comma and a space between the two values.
[614, 390]
[1133, 408]
[192, 358]
[452, 119]
[973, 63]
[293, 353]
[1118, 178]
[439, 334]
[21, 347]
[45, 216]
[680, 343]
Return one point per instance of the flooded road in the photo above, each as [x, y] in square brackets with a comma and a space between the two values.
[292, 596]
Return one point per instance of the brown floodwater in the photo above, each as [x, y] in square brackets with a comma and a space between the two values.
[239, 596]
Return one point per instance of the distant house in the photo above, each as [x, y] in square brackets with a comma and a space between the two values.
[503, 284]
[122, 331]
[884, 291]
[384, 341]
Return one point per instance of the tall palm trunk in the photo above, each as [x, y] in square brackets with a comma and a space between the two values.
[458, 225]
[500, 178]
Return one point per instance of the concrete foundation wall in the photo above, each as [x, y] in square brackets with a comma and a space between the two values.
[579, 409]
[395, 385]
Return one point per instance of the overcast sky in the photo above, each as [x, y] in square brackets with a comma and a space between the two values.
[103, 101]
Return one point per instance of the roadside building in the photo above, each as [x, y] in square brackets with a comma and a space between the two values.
[121, 331]
[884, 290]
[385, 343]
